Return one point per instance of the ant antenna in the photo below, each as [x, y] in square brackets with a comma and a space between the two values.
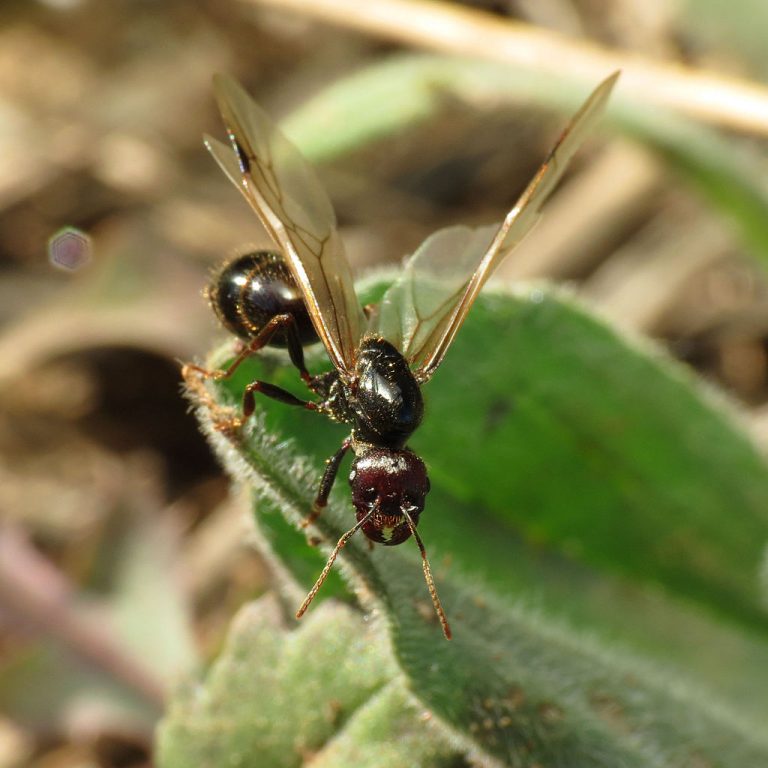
[428, 576]
[339, 545]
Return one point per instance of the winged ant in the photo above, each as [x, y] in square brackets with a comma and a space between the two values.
[305, 292]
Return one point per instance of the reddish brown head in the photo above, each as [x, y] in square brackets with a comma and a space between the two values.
[395, 481]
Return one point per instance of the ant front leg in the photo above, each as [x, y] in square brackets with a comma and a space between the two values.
[326, 483]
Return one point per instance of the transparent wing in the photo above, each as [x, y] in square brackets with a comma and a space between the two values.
[293, 207]
[422, 311]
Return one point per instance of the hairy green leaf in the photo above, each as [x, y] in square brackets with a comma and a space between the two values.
[329, 692]
[545, 432]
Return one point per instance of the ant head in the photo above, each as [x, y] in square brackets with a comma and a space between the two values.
[388, 490]
[393, 483]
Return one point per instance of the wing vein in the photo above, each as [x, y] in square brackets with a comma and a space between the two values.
[289, 200]
[426, 305]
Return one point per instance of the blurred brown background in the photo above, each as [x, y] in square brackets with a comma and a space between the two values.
[113, 511]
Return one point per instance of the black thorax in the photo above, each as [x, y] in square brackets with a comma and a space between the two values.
[383, 402]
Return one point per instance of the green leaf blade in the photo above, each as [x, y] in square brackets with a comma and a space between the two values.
[518, 685]
[274, 697]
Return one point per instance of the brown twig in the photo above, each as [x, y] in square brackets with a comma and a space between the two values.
[460, 31]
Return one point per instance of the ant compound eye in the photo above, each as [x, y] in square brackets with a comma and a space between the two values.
[370, 495]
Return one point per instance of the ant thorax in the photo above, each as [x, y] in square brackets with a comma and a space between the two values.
[387, 401]
[383, 402]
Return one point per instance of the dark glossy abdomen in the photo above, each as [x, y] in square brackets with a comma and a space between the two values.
[388, 405]
[252, 289]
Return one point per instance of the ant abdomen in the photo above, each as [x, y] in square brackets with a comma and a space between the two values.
[253, 288]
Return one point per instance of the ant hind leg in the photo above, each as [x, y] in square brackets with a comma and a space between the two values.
[296, 353]
[284, 322]
[276, 393]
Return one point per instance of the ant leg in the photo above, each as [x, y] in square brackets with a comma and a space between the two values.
[296, 352]
[326, 483]
[276, 393]
[283, 322]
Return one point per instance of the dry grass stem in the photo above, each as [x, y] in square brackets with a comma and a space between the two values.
[725, 101]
